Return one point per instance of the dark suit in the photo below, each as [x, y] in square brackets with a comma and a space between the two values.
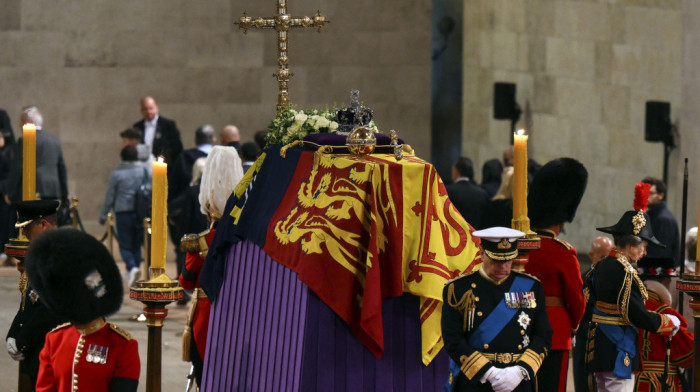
[6, 128]
[166, 141]
[29, 328]
[180, 176]
[471, 201]
[51, 176]
[665, 228]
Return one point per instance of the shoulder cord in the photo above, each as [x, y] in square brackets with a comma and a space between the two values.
[623, 297]
[464, 303]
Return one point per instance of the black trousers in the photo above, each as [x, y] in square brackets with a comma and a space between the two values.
[552, 374]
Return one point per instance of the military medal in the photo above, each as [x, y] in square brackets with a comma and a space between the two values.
[103, 359]
[95, 354]
[526, 341]
[530, 296]
[512, 301]
[89, 356]
[524, 301]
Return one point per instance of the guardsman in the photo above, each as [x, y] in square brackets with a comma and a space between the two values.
[617, 295]
[661, 358]
[79, 280]
[553, 197]
[33, 320]
[494, 322]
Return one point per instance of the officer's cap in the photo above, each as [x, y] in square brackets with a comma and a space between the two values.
[637, 221]
[30, 210]
[499, 243]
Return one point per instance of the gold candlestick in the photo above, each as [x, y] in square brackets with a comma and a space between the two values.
[155, 294]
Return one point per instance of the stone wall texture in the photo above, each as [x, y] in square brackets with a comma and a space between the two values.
[87, 63]
[586, 69]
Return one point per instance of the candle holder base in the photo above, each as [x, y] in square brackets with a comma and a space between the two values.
[689, 284]
[155, 294]
[525, 245]
[17, 248]
[689, 276]
[160, 289]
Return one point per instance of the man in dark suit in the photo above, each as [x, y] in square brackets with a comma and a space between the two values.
[179, 179]
[661, 261]
[7, 139]
[6, 128]
[159, 133]
[470, 199]
[249, 153]
[51, 176]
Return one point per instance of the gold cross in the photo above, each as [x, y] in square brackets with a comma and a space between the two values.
[282, 22]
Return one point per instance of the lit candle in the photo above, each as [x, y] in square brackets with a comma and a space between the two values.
[159, 214]
[28, 162]
[519, 176]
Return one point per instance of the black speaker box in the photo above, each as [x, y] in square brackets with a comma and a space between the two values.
[657, 127]
[504, 105]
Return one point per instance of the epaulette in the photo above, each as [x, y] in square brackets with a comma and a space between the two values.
[194, 243]
[121, 332]
[567, 245]
[528, 275]
[550, 234]
[460, 277]
[64, 325]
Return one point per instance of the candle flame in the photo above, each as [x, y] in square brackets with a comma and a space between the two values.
[520, 132]
[161, 159]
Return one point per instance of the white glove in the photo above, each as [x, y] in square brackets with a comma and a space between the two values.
[676, 323]
[509, 380]
[491, 375]
[13, 351]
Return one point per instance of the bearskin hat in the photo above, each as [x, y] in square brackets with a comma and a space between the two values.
[74, 274]
[555, 192]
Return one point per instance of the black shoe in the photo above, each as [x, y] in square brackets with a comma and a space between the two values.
[183, 301]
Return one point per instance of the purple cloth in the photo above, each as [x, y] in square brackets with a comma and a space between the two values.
[269, 332]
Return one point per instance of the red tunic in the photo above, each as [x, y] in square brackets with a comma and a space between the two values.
[189, 280]
[555, 264]
[71, 361]
[652, 349]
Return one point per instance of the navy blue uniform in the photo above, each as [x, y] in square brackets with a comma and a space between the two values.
[521, 334]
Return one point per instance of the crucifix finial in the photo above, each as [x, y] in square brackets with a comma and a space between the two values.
[282, 22]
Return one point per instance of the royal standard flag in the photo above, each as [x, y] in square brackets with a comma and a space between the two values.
[356, 230]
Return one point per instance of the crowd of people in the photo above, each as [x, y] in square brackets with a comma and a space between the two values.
[200, 181]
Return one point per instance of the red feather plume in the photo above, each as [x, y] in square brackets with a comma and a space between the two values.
[641, 196]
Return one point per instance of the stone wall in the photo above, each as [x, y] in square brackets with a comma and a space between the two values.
[86, 64]
[585, 69]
